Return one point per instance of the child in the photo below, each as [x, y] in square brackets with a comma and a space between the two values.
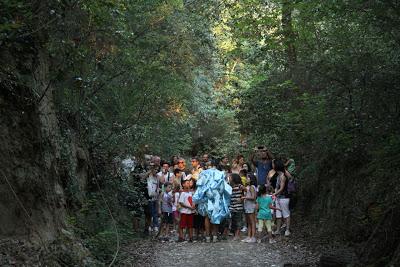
[175, 205]
[264, 206]
[178, 176]
[249, 208]
[236, 206]
[187, 211]
[166, 211]
[198, 220]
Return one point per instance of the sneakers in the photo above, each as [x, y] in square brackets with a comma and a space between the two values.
[259, 241]
[244, 229]
[277, 232]
[287, 233]
[251, 240]
[181, 240]
[156, 229]
[215, 239]
[272, 241]
[246, 239]
[208, 239]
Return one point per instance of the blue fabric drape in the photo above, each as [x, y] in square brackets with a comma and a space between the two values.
[213, 195]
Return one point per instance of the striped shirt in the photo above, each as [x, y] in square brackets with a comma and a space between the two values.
[236, 199]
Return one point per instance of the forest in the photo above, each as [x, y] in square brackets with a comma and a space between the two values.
[87, 83]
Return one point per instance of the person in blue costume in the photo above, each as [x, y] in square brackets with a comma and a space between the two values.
[212, 198]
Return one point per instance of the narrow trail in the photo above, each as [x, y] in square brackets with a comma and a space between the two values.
[285, 252]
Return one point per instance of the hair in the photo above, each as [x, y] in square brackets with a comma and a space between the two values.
[164, 162]
[194, 183]
[236, 178]
[196, 159]
[270, 189]
[253, 179]
[279, 166]
[243, 172]
[239, 156]
[176, 171]
[177, 187]
[167, 184]
[262, 190]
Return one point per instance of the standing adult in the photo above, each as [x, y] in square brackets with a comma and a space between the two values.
[153, 194]
[237, 164]
[205, 161]
[196, 168]
[165, 175]
[263, 164]
[282, 197]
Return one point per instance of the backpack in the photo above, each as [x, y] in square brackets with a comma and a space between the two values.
[291, 186]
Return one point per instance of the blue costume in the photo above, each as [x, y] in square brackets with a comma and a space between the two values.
[213, 195]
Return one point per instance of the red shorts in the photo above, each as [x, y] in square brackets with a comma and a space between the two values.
[186, 220]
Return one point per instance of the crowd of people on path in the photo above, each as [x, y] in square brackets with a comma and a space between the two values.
[263, 190]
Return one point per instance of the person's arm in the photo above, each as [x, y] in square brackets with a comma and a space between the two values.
[253, 160]
[253, 195]
[282, 185]
[160, 201]
[273, 207]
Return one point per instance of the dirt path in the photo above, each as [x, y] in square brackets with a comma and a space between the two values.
[223, 253]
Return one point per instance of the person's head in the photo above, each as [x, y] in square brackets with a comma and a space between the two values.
[242, 172]
[174, 160]
[279, 166]
[235, 178]
[245, 166]
[240, 159]
[153, 168]
[270, 190]
[205, 158]
[165, 167]
[262, 190]
[177, 187]
[177, 172]
[168, 187]
[251, 179]
[224, 160]
[156, 160]
[186, 184]
[195, 162]
[181, 164]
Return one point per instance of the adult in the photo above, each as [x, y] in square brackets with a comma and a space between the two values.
[196, 168]
[272, 176]
[182, 167]
[263, 164]
[151, 212]
[223, 165]
[237, 164]
[205, 161]
[282, 197]
[165, 175]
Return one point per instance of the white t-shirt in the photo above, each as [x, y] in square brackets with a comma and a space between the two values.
[152, 187]
[169, 177]
[186, 199]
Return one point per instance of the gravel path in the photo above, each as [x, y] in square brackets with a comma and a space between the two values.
[224, 253]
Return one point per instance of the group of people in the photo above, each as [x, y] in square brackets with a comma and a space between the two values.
[262, 189]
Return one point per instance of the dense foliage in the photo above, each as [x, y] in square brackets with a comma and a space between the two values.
[314, 80]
